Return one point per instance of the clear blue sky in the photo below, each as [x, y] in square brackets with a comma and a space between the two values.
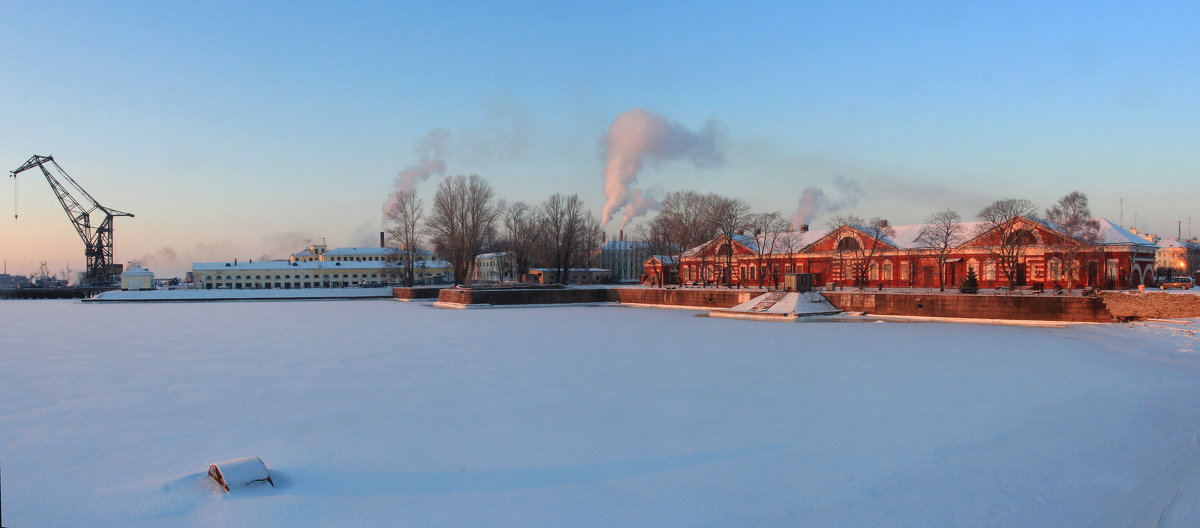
[240, 129]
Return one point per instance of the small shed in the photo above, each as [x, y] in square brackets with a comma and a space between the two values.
[240, 472]
[137, 278]
[798, 282]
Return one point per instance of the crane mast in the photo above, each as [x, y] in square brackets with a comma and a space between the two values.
[98, 240]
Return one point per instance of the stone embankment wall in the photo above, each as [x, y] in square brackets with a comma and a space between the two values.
[1019, 307]
[1108, 306]
[683, 297]
[1151, 305]
[510, 296]
[673, 297]
[417, 292]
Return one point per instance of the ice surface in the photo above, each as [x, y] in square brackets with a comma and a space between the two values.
[377, 413]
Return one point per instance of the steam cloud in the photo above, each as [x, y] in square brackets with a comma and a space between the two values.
[640, 203]
[431, 153]
[637, 137]
[813, 201]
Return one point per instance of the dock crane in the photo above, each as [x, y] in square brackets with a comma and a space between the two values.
[98, 241]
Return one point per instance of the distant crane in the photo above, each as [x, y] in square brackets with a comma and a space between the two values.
[98, 242]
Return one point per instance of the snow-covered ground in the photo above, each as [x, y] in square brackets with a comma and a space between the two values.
[379, 413]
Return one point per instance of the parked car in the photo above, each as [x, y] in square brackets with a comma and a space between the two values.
[1182, 283]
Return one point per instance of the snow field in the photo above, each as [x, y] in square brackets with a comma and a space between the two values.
[378, 413]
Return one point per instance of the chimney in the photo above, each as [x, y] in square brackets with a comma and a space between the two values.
[381, 244]
[603, 237]
[883, 222]
[621, 234]
[803, 228]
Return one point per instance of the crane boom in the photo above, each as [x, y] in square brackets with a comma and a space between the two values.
[98, 241]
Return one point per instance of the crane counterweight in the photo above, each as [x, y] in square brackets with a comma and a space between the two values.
[98, 241]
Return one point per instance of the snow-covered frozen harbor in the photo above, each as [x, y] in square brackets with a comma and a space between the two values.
[379, 413]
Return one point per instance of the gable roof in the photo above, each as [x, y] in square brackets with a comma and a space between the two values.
[1114, 235]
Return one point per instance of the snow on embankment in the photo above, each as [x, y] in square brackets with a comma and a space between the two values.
[243, 295]
[784, 305]
[1150, 305]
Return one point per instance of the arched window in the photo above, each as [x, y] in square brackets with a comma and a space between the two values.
[1023, 238]
[847, 244]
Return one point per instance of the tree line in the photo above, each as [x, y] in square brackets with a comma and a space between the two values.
[466, 219]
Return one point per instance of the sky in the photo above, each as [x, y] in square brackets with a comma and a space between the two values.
[246, 129]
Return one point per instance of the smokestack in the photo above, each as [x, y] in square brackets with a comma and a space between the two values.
[381, 244]
[803, 228]
[621, 234]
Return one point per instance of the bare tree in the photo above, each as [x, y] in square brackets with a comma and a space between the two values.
[404, 216]
[1006, 237]
[686, 222]
[771, 233]
[521, 230]
[943, 232]
[463, 220]
[563, 222]
[865, 248]
[586, 253]
[1072, 218]
[730, 217]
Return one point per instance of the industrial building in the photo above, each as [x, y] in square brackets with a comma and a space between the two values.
[319, 267]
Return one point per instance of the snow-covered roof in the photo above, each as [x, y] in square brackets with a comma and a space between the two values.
[137, 271]
[283, 264]
[1114, 235]
[572, 269]
[358, 251]
[905, 237]
[791, 240]
[303, 253]
[490, 255]
[667, 260]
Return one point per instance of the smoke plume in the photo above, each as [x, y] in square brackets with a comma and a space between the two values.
[640, 203]
[810, 203]
[813, 201]
[637, 137]
[431, 154]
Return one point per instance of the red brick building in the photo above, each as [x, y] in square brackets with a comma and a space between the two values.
[1119, 260]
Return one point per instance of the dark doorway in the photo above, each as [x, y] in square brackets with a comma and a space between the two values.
[1020, 275]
